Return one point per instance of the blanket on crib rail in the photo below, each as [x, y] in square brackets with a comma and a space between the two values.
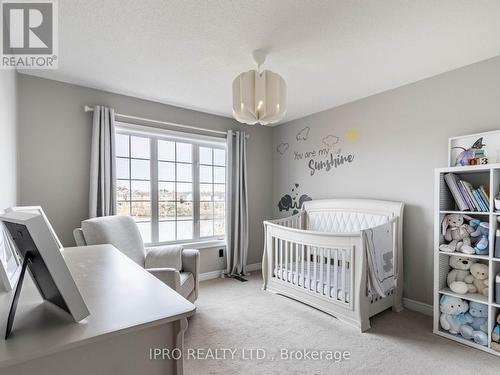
[379, 246]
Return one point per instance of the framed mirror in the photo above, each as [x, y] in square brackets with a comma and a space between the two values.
[10, 264]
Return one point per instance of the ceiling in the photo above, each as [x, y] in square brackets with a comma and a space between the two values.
[187, 52]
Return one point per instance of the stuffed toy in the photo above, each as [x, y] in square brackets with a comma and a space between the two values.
[460, 271]
[495, 336]
[479, 277]
[480, 235]
[457, 233]
[453, 315]
[477, 329]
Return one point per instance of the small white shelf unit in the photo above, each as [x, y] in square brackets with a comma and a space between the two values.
[488, 176]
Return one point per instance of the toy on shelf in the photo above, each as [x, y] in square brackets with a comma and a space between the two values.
[453, 315]
[495, 336]
[459, 273]
[479, 277]
[477, 329]
[457, 233]
[480, 236]
[473, 155]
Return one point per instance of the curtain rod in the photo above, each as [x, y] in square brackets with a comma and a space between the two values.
[90, 109]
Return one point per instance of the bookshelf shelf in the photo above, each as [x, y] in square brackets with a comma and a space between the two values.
[487, 176]
[484, 257]
[467, 212]
[468, 297]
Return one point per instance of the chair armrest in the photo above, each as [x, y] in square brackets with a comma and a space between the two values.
[164, 257]
[169, 276]
[191, 263]
[79, 237]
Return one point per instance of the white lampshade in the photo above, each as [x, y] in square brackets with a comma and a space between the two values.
[259, 98]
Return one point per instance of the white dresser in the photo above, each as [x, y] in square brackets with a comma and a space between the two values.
[131, 313]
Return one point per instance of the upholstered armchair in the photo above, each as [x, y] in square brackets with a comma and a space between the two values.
[175, 266]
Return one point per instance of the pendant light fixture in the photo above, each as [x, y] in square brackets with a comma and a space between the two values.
[259, 97]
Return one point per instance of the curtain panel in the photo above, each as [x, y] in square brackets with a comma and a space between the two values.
[236, 204]
[102, 200]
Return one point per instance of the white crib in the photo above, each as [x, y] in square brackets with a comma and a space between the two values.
[317, 257]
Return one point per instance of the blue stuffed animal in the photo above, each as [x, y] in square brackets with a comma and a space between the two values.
[477, 329]
[480, 236]
[453, 314]
[495, 336]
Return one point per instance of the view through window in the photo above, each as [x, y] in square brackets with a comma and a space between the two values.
[173, 188]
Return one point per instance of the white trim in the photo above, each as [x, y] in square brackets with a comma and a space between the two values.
[417, 306]
[217, 274]
[254, 267]
[204, 244]
[151, 131]
[210, 275]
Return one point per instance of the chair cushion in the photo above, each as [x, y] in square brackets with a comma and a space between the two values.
[119, 231]
[164, 257]
[187, 284]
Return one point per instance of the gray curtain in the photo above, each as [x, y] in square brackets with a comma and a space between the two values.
[236, 204]
[102, 163]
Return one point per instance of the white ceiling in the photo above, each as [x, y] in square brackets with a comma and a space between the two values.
[187, 52]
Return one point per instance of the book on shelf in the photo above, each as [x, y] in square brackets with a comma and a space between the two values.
[466, 196]
[479, 200]
[469, 189]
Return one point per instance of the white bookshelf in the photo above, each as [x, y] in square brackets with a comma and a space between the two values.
[488, 176]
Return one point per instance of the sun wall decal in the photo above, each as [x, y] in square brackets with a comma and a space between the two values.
[352, 134]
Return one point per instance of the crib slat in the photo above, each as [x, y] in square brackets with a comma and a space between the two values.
[280, 241]
[286, 260]
[297, 264]
[335, 273]
[343, 276]
[328, 273]
[315, 271]
[302, 275]
[309, 267]
[322, 260]
[276, 260]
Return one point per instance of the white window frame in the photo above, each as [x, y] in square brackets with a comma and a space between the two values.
[196, 140]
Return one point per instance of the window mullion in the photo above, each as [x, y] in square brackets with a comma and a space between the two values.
[196, 191]
[154, 190]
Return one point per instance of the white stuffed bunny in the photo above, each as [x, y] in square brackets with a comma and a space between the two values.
[457, 233]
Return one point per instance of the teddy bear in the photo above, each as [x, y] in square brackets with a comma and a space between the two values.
[477, 329]
[479, 277]
[480, 237]
[453, 315]
[457, 233]
[456, 277]
[495, 336]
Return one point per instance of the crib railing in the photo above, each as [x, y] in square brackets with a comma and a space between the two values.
[294, 221]
[322, 270]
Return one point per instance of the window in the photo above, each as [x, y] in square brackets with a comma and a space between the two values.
[173, 187]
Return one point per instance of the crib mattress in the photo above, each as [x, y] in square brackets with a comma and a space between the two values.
[298, 278]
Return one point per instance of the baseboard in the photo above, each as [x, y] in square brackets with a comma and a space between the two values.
[417, 306]
[216, 274]
[210, 275]
[254, 267]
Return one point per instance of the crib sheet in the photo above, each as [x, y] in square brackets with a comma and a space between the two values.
[309, 282]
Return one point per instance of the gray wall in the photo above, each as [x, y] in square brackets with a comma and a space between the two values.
[401, 137]
[54, 145]
[8, 138]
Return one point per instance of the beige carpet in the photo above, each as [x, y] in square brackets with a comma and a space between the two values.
[240, 316]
